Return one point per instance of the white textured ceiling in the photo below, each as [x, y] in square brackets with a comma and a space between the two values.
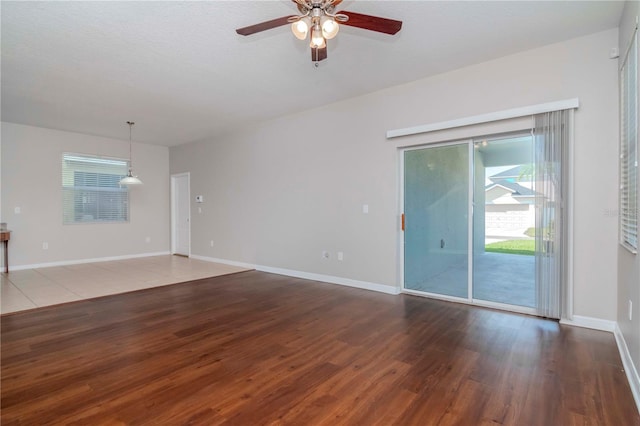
[179, 70]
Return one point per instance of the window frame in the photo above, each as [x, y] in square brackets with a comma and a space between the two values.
[99, 171]
[628, 167]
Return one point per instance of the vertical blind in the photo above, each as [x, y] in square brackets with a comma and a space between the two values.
[629, 149]
[91, 191]
[551, 137]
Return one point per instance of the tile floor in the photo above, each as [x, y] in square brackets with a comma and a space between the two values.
[33, 288]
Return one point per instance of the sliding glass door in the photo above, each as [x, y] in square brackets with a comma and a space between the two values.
[436, 209]
[469, 221]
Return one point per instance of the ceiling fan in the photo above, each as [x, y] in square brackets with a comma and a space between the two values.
[318, 19]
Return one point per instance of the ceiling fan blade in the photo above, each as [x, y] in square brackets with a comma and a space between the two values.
[318, 54]
[263, 26]
[372, 23]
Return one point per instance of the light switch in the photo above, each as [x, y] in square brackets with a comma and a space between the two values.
[365, 208]
[17, 210]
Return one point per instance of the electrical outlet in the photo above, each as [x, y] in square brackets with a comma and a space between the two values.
[614, 53]
[17, 210]
[630, 310]
[45, 246]
[325, 254]
[340, 256]
[148, 240]
[211, 243]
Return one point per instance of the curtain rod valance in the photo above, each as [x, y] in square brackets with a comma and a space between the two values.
[486, 118]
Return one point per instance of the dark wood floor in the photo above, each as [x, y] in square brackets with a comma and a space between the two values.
[256, 348]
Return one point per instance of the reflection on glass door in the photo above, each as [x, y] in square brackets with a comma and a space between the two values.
[436, 208]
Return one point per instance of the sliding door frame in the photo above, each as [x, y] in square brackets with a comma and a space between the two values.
[403, 289]
[489, 303]
[567, 309]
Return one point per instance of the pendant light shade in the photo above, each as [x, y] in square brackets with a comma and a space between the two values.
[130, 179]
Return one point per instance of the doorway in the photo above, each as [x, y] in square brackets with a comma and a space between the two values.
[504, 221]
[180, 214]
[469, 222]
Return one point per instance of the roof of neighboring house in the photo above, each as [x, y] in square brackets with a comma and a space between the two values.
[513, 172]
[516, 189]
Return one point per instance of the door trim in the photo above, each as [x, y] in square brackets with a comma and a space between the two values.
[473, 302]
[530, 110]
[173, 209]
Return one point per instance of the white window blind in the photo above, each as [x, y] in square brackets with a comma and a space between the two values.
[629, 148]
[91, 191]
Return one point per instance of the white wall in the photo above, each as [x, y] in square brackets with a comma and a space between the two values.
[280, 192]
[31, 180]
[628, 263]
[1, 216]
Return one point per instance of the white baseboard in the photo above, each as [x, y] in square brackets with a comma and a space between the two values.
[629, 368]
[223, 261]
[80, 261]
[381, 288]
[590, 322]
[627, 362]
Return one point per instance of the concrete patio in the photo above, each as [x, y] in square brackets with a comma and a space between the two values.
[497, 277]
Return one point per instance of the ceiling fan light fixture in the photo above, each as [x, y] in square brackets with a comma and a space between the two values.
[318, 19]
[300, 28]
[330, 27]
[317, 40]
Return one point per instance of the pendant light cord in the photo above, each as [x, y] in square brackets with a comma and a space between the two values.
[130, 123]
[130, 179]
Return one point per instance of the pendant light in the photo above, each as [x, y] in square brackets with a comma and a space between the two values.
[130, 179]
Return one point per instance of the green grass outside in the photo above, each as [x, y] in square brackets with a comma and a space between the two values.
[525, 247]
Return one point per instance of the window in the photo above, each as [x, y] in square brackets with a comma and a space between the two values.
[629, 148]
[91, 191]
